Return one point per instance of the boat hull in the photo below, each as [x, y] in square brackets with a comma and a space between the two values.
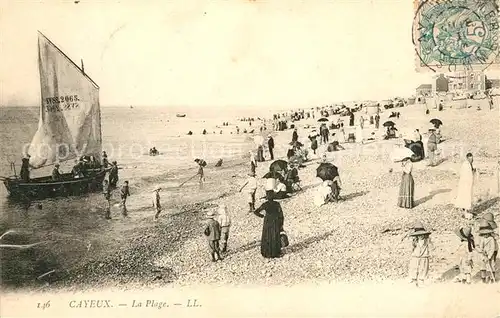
[44, 187]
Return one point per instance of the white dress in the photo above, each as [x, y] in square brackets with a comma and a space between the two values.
[465, 187]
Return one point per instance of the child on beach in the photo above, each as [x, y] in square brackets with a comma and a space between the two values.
[487, 249]
[419, 261]
[251, 185]
[201, 163]
[212, 232]
[225, 223]
[465, 252]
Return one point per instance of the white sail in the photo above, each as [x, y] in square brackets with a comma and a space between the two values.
[70, 117]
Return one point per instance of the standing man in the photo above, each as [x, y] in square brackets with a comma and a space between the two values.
[56, 175]
[270, 145]
[377, 120]
[432, 147]
[465, 185]
[156, 201]
[113, 174]
[201, 163]
[104, 159]
[25, 169]
[124, 194]
[106, 191]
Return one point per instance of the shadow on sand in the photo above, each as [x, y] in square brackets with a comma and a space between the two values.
[430, 196]
[454, 271]
[483, 206]
[297, 247]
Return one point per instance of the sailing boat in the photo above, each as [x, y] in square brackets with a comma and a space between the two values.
[69, 128]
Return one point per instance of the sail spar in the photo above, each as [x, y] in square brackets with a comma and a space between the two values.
[70, 117]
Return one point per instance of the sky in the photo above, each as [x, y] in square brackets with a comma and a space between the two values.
[197, 53]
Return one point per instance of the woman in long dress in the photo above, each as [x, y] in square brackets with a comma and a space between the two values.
[465, 185]
[270, 244]
[407, 187]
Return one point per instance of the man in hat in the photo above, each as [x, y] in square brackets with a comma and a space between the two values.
[465, 188]
[270, 145]
[212, 233]
[113, 174]
[77, 169]
[487, 249]
[56, 175]
[25, 169]
[124, 194]
[156, 201]
[225, 223]
[432, 147]
[251, 184]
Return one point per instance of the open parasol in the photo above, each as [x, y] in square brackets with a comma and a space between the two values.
[401, 153]
[327, 171]
[296, 144]
[278, 165]
[273, 175]
[436, 122]
[322, 119]
[389, 124]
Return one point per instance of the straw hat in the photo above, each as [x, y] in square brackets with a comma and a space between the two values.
[419, 229]
[463, 233]
[157, 188]
[432, 128]
[210, 213]
[485, 227]
[491, 220]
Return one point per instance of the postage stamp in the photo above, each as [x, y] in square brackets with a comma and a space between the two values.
[456, 35]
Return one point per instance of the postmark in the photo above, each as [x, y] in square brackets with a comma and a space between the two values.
[456, 35]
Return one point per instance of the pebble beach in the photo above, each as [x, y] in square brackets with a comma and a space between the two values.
[357, 241]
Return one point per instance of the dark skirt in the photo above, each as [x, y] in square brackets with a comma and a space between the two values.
[270, 246]
[406, 192]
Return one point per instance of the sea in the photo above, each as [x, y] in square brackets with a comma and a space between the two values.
[127, 133]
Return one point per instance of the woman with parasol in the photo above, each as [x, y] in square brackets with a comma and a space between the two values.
[391, 130]
[329, 172]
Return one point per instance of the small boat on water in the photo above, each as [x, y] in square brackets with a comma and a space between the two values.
[180, 115]
[69, 128]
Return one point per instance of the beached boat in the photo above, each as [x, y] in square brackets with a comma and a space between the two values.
[69, 127]
[180, 115]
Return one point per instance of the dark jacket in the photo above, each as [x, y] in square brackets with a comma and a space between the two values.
[212, 230]
[270, 142]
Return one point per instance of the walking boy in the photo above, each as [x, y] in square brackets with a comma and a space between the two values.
[156, 201]
[251, 185]
[124, 194]
[225, 223]
[212, 232]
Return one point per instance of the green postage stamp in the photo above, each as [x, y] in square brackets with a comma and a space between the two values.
[456, 35]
